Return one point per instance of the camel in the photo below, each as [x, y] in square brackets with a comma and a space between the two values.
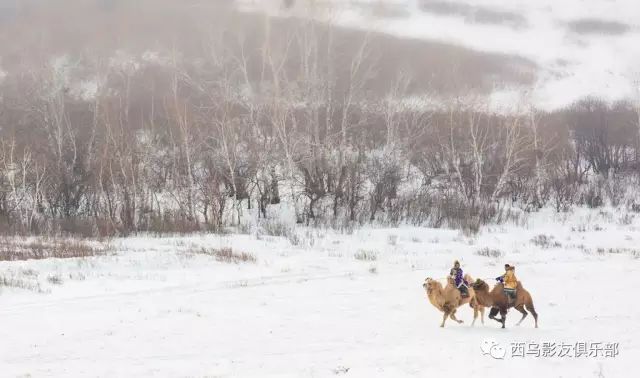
[498, 301]
[448, 299]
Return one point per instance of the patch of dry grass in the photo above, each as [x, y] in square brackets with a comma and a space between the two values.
[16, 282]
[12, 249]
[226, 255]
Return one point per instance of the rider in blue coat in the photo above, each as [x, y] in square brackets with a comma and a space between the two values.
[458, 278]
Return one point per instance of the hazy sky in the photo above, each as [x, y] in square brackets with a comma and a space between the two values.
[582, 47]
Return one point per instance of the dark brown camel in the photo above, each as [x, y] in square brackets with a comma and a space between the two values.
[499, 303]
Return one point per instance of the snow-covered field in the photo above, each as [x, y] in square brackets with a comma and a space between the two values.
[332, 304]
[582, 47]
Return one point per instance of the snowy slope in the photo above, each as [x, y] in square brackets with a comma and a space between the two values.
[582, 47]
[316, 310]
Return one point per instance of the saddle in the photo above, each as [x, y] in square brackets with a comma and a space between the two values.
[510, 294]
[464, 291]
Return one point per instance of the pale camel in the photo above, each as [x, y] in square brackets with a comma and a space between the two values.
[448, 299]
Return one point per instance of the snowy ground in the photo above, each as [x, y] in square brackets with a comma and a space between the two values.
[582, 47]
[314, 309]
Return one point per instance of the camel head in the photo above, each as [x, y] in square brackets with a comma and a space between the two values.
[430, 284]
[480, 285]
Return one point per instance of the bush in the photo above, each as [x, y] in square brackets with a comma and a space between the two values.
[20, 284]
[593, 196]
[169, 223]
[364, 255]
[635, 253]
[490, 252]
[626, 219]
[276, 228]
[55, 279]
[545, 241]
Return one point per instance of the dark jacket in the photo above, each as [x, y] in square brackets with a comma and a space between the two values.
[458, 276]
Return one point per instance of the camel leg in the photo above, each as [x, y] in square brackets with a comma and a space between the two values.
[444, 318]
[453, 317]
[503, 313]
[523, 311]
[533, 312]
[475, 315]
[492, 314]
[482, 315]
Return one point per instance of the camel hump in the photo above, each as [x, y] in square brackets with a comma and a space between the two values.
[468, 278]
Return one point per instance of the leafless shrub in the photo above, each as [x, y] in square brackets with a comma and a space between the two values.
[341, 370]
[373, 269]
[305, 239]
[294, 239]
[545, 241]
[586, 228]
[169, 223]
[470, 226]
[593, 196]
[55, 279]
[615, 190]
[29, 272]
[280, 229]
[490, 252]
[392, 240]
[635, 253]
[244, 228]
[276, 228]
[579, 228]
[365, 255]
[626, 219]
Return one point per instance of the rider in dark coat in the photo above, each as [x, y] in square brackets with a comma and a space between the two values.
[458, 278]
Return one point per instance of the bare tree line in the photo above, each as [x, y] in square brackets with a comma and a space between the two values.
[285, 115]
